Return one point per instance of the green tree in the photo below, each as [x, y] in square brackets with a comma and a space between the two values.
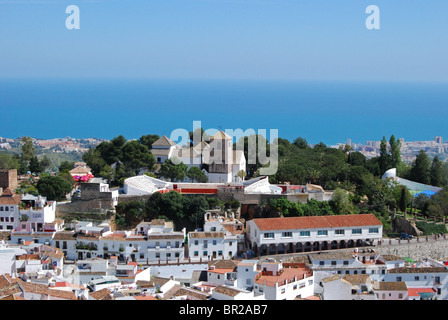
[53, 187]
[173, 171]
[94, 160]
[136, 156]
[395, 153]
[148, 140]
[242, 174]
[45, 163]
[196, 174]
[420, 171]
[34, 165]
[300, 143]
[130, 212]
[436, 172]
[66, 166]
[384, 159]
[404, 197]
[341, 202]
[9, 162]
[27, 149]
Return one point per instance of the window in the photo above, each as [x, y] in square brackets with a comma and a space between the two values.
[196, 242]
[356, 231]
[204, 253]
[322, 232]
[398, 278]
[304, 233]
[196, 253]
[339, 232]
[269, 235]
[416, 278]
[400, 296]
[373, 230]
[214, 242]
[287, 234]
[345, 263]
[321, 263]
[333, 263]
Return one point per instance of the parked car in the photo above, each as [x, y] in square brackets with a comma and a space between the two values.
[405, 236]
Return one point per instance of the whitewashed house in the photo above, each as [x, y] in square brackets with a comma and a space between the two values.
[348, 287]
[9, 209]
[435, 277]
[279, 283]
[391, 290]
[315, 233]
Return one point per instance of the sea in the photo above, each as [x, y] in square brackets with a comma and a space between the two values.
[319, 111]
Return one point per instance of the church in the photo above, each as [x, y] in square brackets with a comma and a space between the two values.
[216, 159]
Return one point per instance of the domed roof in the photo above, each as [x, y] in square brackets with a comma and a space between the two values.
[391, 173]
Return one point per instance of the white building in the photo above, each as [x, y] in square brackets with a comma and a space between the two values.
[211, 245]
[298, 234]
[217, 158]
[391, 290]
[348, 287]
[246, 272]
[36, 216]
[279, 283]
[220, 239]
[434, 277]
[9, 209]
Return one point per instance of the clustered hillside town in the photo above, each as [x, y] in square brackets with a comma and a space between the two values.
[51, 249]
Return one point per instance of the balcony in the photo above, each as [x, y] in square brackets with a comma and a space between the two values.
[89, 247]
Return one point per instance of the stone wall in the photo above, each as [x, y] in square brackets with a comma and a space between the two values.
[416, 249]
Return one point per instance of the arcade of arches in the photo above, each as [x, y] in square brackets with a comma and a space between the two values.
[284, 248]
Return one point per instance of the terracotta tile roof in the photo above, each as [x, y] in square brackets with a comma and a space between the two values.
[356, 278]
[10, 200]
[393, 286]
[418, 270]
[64, 235]
[391, 257]
[202, 234]
[145, 298]
[414, 292]
[164, 141]
[11, 289]
[165, 236]
[286, 276]
[62, 294]
[80, 170]
[223, 264]
[103, 294]
[191, 294]
[333, 221]
[228, 291]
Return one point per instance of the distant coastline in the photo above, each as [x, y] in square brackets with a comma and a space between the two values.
[328, 112]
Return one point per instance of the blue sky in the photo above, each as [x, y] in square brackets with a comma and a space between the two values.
[225, 39]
